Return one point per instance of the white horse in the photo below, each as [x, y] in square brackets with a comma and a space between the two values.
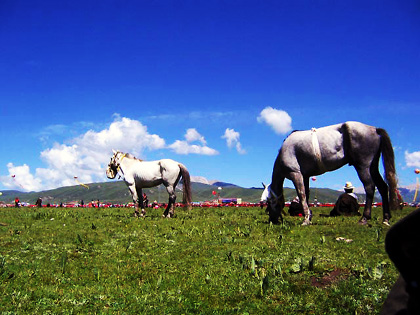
[140, 174]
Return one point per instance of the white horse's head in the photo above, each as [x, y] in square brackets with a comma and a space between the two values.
[113, 166]
[266, 193]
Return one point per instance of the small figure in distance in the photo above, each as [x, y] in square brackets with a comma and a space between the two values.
[17, 204]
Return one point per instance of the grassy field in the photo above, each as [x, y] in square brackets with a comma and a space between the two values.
[206, 261]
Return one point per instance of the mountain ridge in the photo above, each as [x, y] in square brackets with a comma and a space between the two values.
[117, 192]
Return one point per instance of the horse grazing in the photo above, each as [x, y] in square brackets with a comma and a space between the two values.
[316, 151]
[140, 174]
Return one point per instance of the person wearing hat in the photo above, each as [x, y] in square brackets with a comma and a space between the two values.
[347, 203]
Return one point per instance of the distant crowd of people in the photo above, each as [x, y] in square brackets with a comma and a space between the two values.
[94, 203]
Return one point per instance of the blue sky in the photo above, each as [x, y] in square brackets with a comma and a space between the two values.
[201, 82]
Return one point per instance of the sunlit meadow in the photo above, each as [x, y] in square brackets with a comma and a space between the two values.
[207, 260]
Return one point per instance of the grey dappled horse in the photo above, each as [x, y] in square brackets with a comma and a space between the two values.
[316, 151]
[140, 174]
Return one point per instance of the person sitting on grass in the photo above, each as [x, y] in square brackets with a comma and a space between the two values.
[347, 203]
[296, 208]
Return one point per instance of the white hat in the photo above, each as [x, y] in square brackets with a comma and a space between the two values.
[348, 186]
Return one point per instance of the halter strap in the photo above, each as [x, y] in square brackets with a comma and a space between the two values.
[119, 164]
[272, 192]
[317, 150]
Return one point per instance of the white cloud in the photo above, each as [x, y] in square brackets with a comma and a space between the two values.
[85, 156]
[193, 135]
[123, 134]
[412, 159]
[278, 120]
[20, 177]
[232, 139]
[186, 147]
[183, 147]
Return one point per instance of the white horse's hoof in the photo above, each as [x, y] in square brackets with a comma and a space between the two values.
[363, 221]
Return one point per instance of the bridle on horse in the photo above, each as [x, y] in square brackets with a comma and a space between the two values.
[273, 194]
[117, 167]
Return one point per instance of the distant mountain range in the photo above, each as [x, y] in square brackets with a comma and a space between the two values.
[203, 190]
[203, 180]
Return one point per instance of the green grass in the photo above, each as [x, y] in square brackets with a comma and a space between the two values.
[206, 261]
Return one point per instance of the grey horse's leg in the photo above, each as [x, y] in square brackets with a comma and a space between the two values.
[307, 190]
[369, 185]
[383, 190]
[298, 181]
[275, 205]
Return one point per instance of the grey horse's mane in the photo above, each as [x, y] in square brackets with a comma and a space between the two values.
[296, 130]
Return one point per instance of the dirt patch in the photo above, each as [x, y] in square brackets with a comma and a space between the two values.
[330, 278]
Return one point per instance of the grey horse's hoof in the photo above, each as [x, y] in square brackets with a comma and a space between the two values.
[363, 221]
[306, 222]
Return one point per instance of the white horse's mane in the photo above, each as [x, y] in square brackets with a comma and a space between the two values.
[129, 155]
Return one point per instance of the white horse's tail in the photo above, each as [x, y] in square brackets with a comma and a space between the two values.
[187, 193]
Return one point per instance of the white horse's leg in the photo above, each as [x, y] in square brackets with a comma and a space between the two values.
[135, 199]
[169, 211]
[140, 202]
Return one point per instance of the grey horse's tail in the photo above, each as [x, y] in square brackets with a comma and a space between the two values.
[187, 193]
[389, 166]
